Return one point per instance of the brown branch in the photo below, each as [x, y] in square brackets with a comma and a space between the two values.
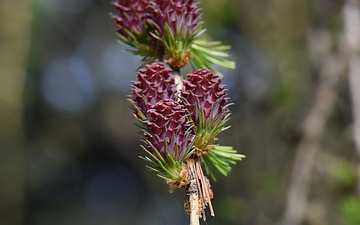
[178, 82]
[191, 203]
[194, 205]
[198, 192]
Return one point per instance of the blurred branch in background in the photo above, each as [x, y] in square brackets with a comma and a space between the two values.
[351, 17]
[15, 17]
[325, 96]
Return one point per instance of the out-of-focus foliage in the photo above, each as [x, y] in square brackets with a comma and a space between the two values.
[350, 210]
[14, 49]
[68, 147]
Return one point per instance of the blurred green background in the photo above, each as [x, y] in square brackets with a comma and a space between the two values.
[69, 149]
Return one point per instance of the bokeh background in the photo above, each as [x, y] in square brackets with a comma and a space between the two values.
[69, 149]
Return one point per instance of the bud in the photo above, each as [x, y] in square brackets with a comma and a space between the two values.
[131, 18]
[207, 103]
[130, 15]
[167, 30]
[169, 142]
[154, 82]
[179, 24]
[181, 15]
[168, 129]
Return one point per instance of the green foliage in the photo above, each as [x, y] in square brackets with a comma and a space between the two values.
[169, 167]
[205, 53]
[142, 45]
[207, 129]
[231, 209]
[350, 210]
[220, 158]
[344, 173]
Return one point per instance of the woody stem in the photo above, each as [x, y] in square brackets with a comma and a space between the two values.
[192, 193]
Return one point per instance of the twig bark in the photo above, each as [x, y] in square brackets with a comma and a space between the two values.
[192, 195]
[198, 192]
[194, 205]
